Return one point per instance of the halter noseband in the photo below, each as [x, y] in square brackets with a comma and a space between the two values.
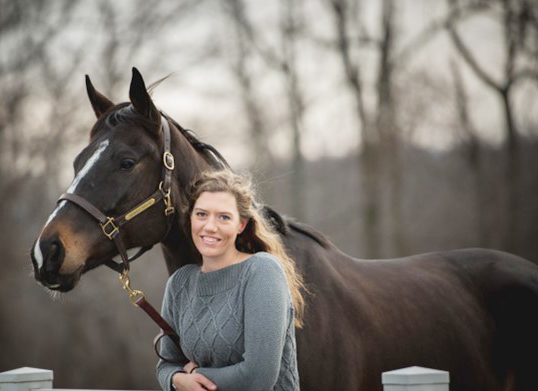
[111, 225]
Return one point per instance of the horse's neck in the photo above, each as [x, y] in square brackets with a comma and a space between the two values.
[176, 249]
[188, 163]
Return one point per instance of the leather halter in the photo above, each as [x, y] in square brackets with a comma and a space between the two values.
[111, 225]
[111, 229]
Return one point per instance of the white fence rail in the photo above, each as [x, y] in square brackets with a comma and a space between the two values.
[407, 379]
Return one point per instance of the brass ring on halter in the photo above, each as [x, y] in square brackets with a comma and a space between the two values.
[165, 193]
[168, 161]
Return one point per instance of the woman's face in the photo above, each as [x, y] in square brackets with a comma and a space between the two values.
[215, 224]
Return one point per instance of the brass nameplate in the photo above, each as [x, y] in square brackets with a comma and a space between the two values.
[139, 209]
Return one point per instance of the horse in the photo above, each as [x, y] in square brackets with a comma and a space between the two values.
[472, 312]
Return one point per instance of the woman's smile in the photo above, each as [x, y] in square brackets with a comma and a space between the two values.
[209, 240]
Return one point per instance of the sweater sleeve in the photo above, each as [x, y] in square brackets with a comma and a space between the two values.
[165, 370]
[267, 312]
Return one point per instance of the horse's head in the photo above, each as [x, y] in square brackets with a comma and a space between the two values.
[121, 167]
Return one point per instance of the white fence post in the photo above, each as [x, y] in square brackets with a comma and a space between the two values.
[415, 379]
[25, 379]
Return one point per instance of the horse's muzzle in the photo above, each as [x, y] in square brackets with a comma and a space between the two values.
[47, 257]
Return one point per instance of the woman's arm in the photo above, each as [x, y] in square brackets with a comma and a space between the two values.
[267, 317]
[167, 349]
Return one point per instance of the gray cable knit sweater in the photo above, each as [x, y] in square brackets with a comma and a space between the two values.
[235, 323]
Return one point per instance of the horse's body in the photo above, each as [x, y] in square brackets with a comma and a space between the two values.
[470, 312]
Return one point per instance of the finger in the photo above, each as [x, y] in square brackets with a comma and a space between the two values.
[204, 381]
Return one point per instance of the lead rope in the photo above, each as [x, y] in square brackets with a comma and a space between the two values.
[138, 299]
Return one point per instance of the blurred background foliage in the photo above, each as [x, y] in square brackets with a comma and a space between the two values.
[394, 127]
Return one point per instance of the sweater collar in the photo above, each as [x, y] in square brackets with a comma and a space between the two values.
[211, 283]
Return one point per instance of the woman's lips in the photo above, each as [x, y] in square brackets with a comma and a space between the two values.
[210, 240]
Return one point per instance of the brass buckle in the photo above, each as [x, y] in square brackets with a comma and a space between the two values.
[134, 295]
[109, 228]
[168, 161]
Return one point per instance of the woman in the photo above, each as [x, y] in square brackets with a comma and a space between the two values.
[236, 312]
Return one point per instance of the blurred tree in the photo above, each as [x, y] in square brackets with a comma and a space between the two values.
[242, 69]
[518, 20]
[473, 157]
[345, 22]
[389, 131]
[289, 29]
[379, 158]
[284, 61]
[128, 31]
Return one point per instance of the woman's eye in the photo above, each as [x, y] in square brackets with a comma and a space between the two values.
[225, 217]
[127, 164]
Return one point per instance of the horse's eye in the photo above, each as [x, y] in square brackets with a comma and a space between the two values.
[127, 164]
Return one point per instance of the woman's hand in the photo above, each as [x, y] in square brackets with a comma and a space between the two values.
[192, 382]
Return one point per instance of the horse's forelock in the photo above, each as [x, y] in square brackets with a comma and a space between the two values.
[122, 114]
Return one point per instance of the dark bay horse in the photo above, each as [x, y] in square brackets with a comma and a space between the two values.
[471, 312]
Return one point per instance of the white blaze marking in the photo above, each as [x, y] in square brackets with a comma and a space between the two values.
[88, 166]
[81, 174]
[37, 255]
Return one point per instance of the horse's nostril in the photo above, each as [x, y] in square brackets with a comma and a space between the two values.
[54, 256]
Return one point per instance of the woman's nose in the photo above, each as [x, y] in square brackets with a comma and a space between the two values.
[210, 225]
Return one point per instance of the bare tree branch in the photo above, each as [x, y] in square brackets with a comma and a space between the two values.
[531, 74]
[436, 27]
[470, 60]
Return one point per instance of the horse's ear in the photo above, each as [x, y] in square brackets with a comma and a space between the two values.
[99, 102]
[140, 98]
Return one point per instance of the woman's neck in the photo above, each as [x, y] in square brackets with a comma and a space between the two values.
[211, 264]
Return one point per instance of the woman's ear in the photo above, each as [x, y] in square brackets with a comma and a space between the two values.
[242, 226]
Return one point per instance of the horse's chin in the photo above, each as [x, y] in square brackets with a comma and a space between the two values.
[63, 282]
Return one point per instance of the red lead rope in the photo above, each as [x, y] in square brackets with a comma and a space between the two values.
[166, 330]
[138, 299]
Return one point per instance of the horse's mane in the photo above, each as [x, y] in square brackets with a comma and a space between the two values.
[283, 224]
[209, 152]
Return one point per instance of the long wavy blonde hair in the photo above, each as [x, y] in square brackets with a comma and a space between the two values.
[258, 235]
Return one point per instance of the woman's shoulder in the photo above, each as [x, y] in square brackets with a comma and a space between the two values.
[262, 262]
[266, 275]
